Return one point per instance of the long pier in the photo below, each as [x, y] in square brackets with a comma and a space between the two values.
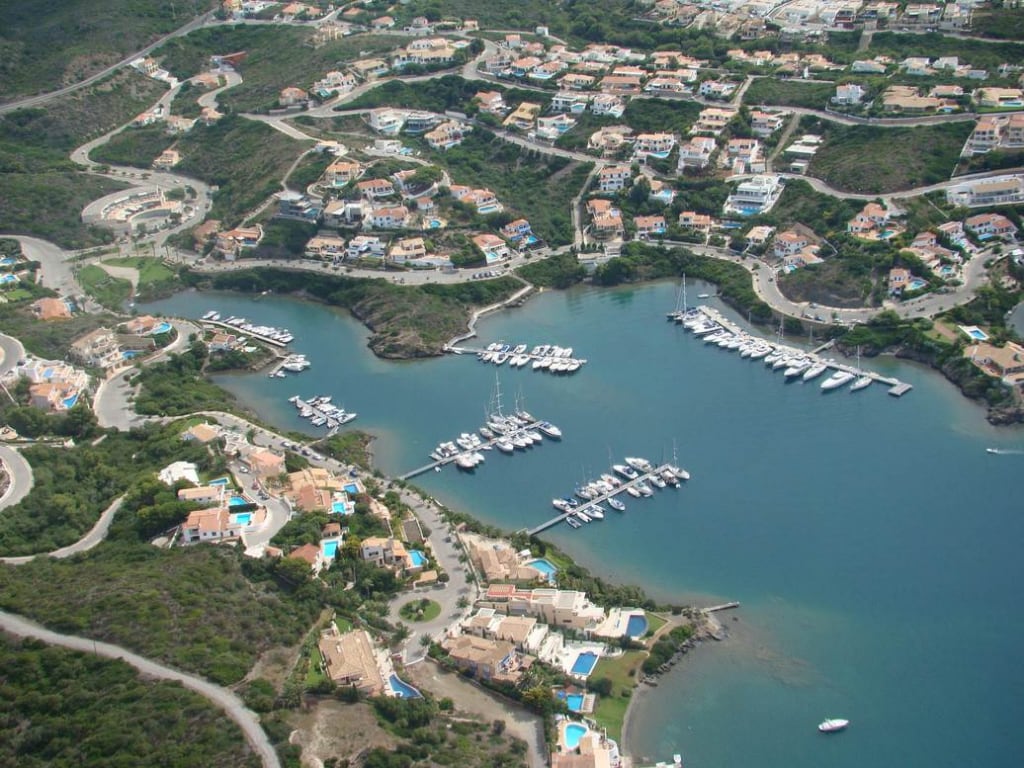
[241, 331]
[484, 445]
[897, 388]
[584, 504]
[460, 350]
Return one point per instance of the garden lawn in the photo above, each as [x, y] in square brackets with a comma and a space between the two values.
[610, 711]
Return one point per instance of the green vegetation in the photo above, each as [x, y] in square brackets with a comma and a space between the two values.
[450, 92]
[849, 156]
[284, 239]
[621, 672]
[666, 647]
[986, 56]
[109, 291]
[310, 168]
[278, 56]
[137, 147]
[539, 187]
[352, 448]
[406, 321]
[244, 158]
[654, 115]
[63, 708]
[800, 203]
[192, 608]
[45, 47]
[1003, 23]
[74, 485]
[420, 610]
[559, 271]
[153, 273]
[50, 340]
[177, 386]
[788, 93]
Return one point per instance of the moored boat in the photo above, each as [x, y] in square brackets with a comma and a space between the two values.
[617, 505]
[833, 725]
[861, 383]
[836, 380]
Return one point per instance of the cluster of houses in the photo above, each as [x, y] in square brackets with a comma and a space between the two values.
[177, 124]
[13, 269]
[996, 190]
[995, 132]
[54, 386]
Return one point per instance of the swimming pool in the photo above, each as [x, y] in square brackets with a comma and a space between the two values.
[584, 663]
[128, 354]
[338, 508]
[8, 278]
[237, 501]
[531, 239]
[402, 689]
[636, 626]
[351, 489]
[418, 558]
[242, 518]
[574, 701]
[331, 548]
[6, 261]
[547, 570]
[572, 734]
[436, 223]
[219, 481]
[70, 401]
[974, 332]
[164, 327]
[489, 208]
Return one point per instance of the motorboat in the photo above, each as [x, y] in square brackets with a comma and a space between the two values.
[815, 371]
[861, 383]
[833, 725]
[797, 369]
[585, 492]
[836, 380]
[561, 505]
[657, 481]
[596, 511]
[573, 522]
[617, 505]
[645, 489]
[639, 464]
[505, 445]
[669, 477]
[611, 480]
[627, 472]
[486, 433]
[550, 430]
[465, 461]
[679, 472]
[632, 491]
[582, 515]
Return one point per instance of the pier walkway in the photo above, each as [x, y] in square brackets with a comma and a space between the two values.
[235, 329]
[478, 351]
[485, 445]
[897, 388]
[584, 504]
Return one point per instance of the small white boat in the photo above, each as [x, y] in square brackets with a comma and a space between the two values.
[561, 505]
[643, 465]
[505, 445]
[627, 472]
[836, 380]
[703, 295]
[632, 491]
[833, 725]
[596, 511]
[550, 430]
[657, 481]
[617, 505]
[861, 383]
[815, 371]
[573, 522]
[645, 489]
[582, 516]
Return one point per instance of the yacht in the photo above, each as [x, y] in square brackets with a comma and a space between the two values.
[761, 352]
[534, 435]
[573, 522]
[669, 477]
[645, 489]
[861, 383]
[797, 368]
[611, 480]
[641, 465]
[487, 434]
[632, 491]
[783, 362]
[617, 505]
[679, 472]
[550, 430]
[627, 472]
[561, 505]
[582, 515]
[585, 492]
[836, 380]
[520, 442]
[815, 371]
[657, 481]
[505, 445]
[832, 725]
[596, 511]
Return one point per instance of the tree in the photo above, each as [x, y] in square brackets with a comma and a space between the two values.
[293, 570]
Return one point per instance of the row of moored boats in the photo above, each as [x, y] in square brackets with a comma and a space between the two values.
[282, 335]
[635, 477]
[794, 363]
[295, 363]
[506, 433]
[544, 357]
[321, 412]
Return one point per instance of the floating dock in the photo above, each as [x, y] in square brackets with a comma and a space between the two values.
[584, 504]
[897, 388]
[530, 357]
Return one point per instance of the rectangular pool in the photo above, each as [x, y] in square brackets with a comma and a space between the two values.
[242, 518]
[584, 663]
[238, 501]
[547, 570]
[219, 481]
[418, 558]
[351, 489]
[330, 549]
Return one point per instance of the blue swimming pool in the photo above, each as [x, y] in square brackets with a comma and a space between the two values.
[489, 208]
[436, 223]
[331, 548]
[573, 733]
[916, 284]
[6, 261]
[574, 701]
[219, 481]
[351, 489]
[242, 518]
[402, 689]
[70, 401]
[584, 663]
[237, 501]
[8, 278]
[545, 567]
[418, 558]
[636, 626]
[530, 239]
[128, 354]
[164, 327]
[338, 508]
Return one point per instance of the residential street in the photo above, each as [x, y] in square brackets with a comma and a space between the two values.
[20, 476]
[221, 697]
[95, 535]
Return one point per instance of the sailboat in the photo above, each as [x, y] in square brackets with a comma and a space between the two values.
[864, 381]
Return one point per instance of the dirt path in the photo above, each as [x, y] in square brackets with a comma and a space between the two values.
[470, 698]
[131, 274]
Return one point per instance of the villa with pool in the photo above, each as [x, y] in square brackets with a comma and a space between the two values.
[352, 658]
[580, 745]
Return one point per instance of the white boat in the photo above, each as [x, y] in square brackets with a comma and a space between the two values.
[815, 371]
[642, 465]
[657, 481]
[550, 430]
[582, 516]
[466, 461]
[836, 380]
[505, 445]
[617, 505]
[797, 368]
[611, 480]
[632, 491]
[861, 383]
[561, 504]
[596, 511]
[832, 725]
[703, 295]
[627, 472]
[782, 362]
[670, 477]
[573, 522]
[645, 489]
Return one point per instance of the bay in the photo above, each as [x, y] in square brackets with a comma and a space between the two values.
[872, 541]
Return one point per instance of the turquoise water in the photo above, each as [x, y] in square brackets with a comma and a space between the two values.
[417, 557]
[237, 501]
[584, 663]
[242, 518]
[338, 507]
[545, 567]
[219, 481]
[330, 548]
[872, 541]
[573, 734]
[402, 689]
[636, 626]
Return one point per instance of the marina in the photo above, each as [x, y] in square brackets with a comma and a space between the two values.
[289, 363]
[278, 337]
[322, 413]
[546, 358]
[795, 363]
[635, 478]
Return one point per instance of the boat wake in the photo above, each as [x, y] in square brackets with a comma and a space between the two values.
[1004, 451]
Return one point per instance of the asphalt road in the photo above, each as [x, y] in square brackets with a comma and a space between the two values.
[220, 697]
[55, 269]
[20, 476]
[11, 351]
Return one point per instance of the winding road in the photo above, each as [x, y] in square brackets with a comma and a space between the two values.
[232, 706]
[20, 477]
